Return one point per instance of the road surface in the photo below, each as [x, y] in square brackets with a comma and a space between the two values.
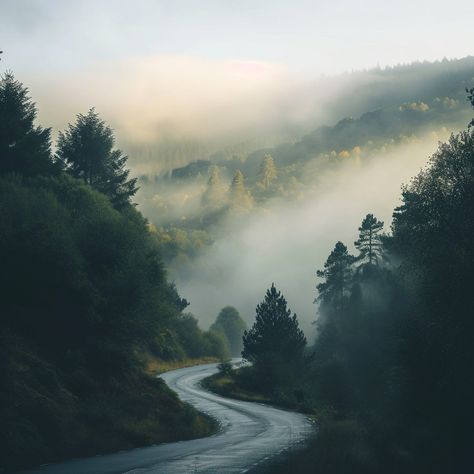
[250, 434]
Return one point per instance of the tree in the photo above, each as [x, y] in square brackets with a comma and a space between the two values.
[214, 194]
[275, 336]
[86, 150]
[268, 172]
[337, 273]
[24, 147]
[231, 326]
[369, 244]
[470, 98]
[239, 196]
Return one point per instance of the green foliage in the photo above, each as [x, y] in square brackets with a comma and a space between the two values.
[181, 244]
[24, 147]
[337, 273]
[275, 337]
[396, 356]
[268, 172]
[214, 195]
[84, 292]
[239, 196]
[86, 150]
[196, 343]
[90, 272]
[231, 327]
[224, 368]
[369, 244]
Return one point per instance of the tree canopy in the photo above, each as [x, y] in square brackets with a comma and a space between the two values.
[275, 335]
[229, 324]
[369, 243]
[25, 148]
[86, 150]
[337, 274]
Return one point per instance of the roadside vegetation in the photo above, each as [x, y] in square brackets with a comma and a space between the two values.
[388, 376]
[86, 305]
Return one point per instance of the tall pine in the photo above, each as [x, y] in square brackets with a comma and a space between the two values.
[24, 147]
[86, 150]
[369, 243]
[275, 334]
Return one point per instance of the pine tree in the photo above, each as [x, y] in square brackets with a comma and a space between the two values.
[470, 98]
[239, 196]
[24, 147]
[337, 273]
[86, 150]
[275, 334]
[213, 196]
[369, 243]
[268, 172]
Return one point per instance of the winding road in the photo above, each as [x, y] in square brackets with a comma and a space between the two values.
[250, 434]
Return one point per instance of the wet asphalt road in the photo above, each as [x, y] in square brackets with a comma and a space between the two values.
[250, 435]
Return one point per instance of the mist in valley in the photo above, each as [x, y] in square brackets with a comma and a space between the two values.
[286, 241]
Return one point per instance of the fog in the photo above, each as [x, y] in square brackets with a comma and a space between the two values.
[287, 242]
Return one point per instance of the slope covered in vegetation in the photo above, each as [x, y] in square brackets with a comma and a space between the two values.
[84, 295]
[388, 376]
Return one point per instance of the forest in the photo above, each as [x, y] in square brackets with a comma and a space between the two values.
[87, 309]
[382, 121]
[388, 376]
[89, 314]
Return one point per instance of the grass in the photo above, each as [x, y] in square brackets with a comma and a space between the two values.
[155, 366]
[227, 386]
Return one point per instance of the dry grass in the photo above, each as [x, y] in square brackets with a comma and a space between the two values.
[155, 366]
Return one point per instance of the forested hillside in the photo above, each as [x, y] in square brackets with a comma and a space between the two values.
[376, 113]
[388, 377]
[85, 298]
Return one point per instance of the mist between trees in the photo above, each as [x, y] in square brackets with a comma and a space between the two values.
[86, 303]
[388, 375]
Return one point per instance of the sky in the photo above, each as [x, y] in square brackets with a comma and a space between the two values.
[213, 71]
[300, 36]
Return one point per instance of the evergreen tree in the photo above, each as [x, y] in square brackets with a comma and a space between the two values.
[275, 335]
[24, 147]
[214, 194]
[229, 324]
[86, 150]
[337, 273]
[240, 197]
[470, 98]
[268, 172]
[369, 244]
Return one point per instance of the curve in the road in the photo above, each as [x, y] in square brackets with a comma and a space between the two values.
[250, 434]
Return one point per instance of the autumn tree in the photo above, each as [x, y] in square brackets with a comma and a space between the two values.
[86, 150]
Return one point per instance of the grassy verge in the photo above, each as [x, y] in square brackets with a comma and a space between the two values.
[340, 444]
[155, 366]
[227, 386]
[48, 415]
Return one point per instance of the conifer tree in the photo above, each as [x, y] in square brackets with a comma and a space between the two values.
[268, 172]
[369, 244]
[24, 147]
[239, 196]
[275, 334]
[337, 273]
[214, 194]
[86, 150]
